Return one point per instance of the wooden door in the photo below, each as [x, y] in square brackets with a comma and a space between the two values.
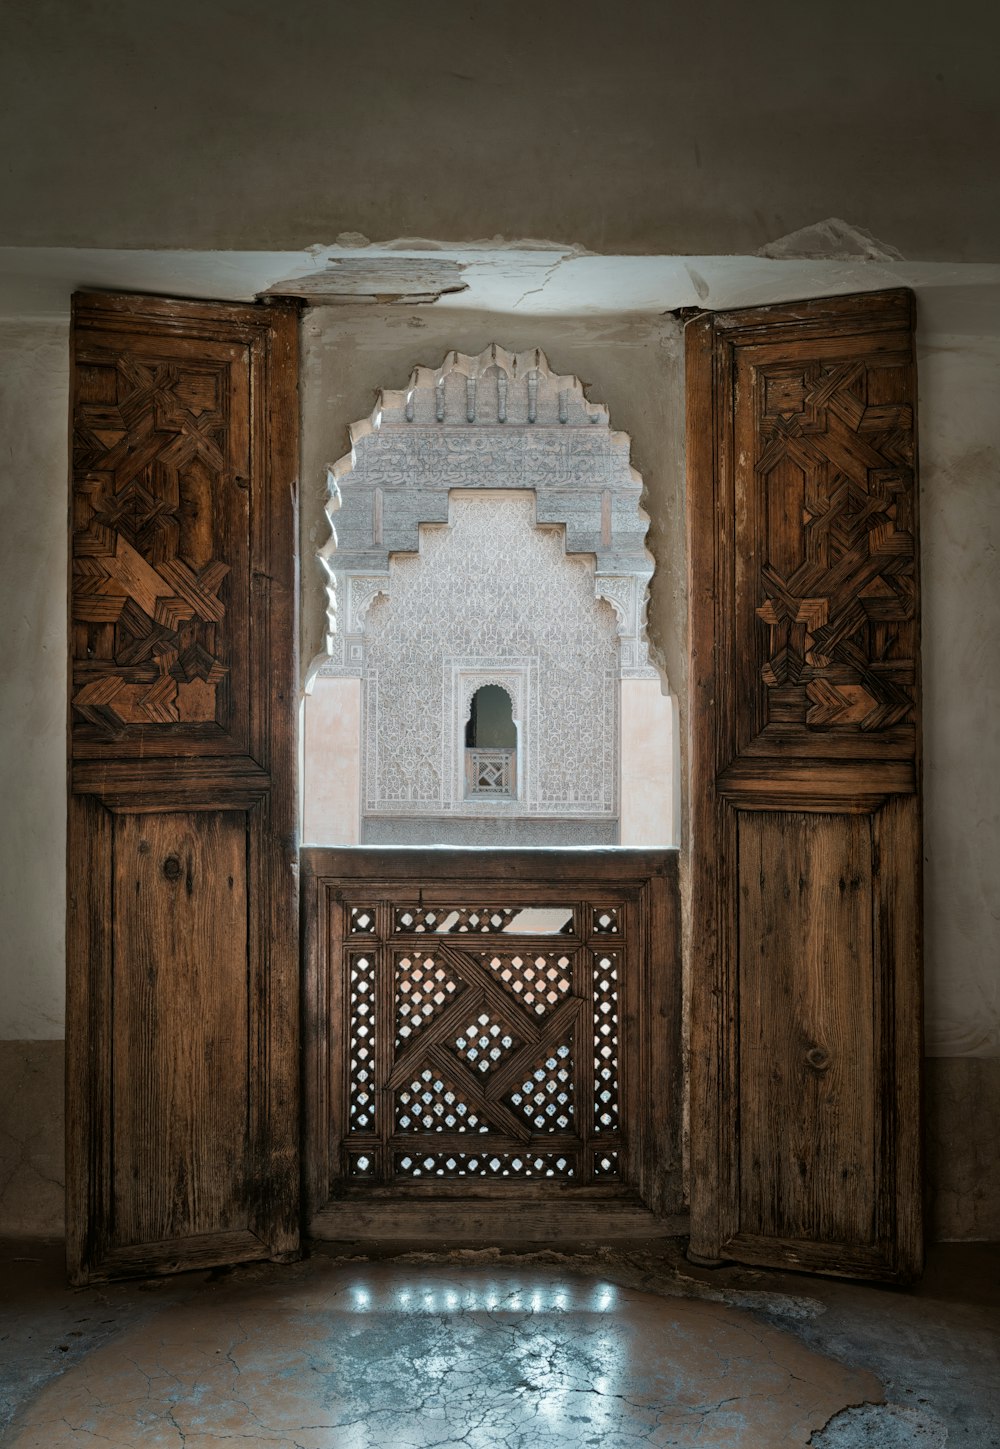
[182, 943]
[492, 1044]
[804, 786]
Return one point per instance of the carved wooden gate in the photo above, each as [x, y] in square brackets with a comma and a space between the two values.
[484, 1032]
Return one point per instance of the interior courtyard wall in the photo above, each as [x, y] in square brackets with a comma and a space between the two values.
[496, 590]
[634, 366]
[490, 584]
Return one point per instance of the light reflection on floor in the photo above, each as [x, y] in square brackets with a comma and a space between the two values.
[361, 1356]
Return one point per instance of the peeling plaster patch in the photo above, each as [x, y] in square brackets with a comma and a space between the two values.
[830, 240]
[889, 1426]
[547, 277]
[491, 245]
[377, 279]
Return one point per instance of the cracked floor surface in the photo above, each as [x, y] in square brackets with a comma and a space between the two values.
[484, 1352]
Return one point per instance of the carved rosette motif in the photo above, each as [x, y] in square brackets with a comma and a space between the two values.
[150, 443]
[837, 585]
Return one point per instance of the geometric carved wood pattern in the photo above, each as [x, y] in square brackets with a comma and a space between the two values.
[159, 580]
[804, 786]
[473, 1029]
[497, 1042]
[834, 465]
[182, 921]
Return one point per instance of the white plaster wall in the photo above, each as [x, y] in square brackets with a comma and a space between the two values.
[649, 763]
[960, 557]
[34, 511]
[331, 763]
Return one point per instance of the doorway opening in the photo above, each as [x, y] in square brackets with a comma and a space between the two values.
[493, 1007]
[491, 745]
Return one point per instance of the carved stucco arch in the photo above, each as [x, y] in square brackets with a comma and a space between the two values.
[491, 462]
[499, 419]
[472, 686]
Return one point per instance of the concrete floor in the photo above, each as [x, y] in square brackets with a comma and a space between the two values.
[498, 1351]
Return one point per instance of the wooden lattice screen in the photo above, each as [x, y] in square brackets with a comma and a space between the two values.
[491, 1034]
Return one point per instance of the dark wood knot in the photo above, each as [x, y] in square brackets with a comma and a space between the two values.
[818, 1058]
[172, 868]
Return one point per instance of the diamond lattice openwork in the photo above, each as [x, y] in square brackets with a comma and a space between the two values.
[431, 1104]
[607, 921]
[441, 919]
[538, 981]
[483, 1038]
[545, 1097]
[361, 975]
[424, 986]
[606, 1041]
[490, 1164]
[484, 1043]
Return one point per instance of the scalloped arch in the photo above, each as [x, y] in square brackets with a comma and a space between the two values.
[472, 688]
[495, 419]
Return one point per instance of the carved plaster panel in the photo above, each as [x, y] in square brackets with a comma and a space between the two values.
[495, 421]
[486, 528]
[490, 599]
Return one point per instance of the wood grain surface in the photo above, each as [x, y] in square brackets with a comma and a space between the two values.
[182, 1032]
[804, 750]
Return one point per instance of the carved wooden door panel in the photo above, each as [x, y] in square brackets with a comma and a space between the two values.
[493, 1042]
[805, 809]
[182, 920]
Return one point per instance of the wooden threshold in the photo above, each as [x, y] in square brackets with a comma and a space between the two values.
[476, 1222]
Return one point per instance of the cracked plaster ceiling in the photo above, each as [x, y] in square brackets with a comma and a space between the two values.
[520, 278]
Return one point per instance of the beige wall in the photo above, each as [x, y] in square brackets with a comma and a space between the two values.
[642, 127]
[34, 512]
[650, 767]
[960, 557]
[331, 763]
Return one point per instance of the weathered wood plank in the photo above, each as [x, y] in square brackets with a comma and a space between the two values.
[179, 1130]
[804, 779]
[807, 1029]
[182, 1030]
[481, 1223]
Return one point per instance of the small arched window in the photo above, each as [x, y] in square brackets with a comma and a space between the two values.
[491, 745]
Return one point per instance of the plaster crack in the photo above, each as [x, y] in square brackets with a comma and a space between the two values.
[550, 272]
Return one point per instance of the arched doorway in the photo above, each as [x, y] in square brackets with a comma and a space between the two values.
[496, 1028]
